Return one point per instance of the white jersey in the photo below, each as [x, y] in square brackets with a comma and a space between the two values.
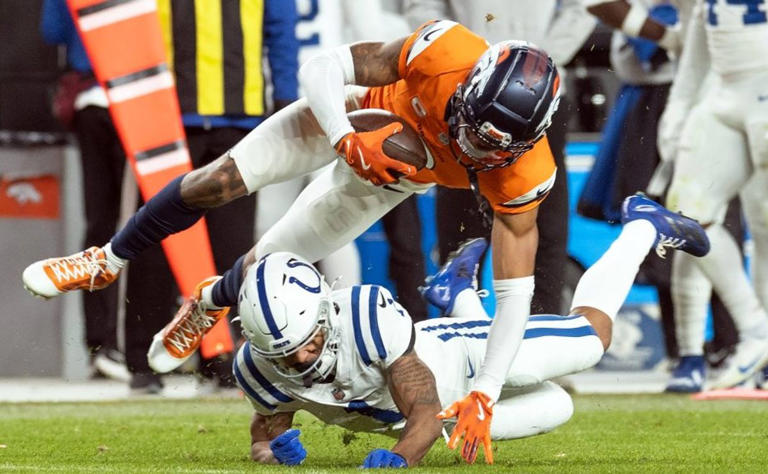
[374, 332]
[737, 34]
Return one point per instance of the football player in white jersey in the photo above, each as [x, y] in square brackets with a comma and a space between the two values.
[353, 358]
[722, 151]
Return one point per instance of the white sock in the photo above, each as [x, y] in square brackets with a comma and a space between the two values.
[468, 305]
[607, 282]
[206, 295]
[691, 291]
[529, 412]
[114, 263]
[722, 265]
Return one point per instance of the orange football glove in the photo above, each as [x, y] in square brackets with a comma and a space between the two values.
[473, 420]
[363, 152]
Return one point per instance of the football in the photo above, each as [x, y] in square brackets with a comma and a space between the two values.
[405, 146]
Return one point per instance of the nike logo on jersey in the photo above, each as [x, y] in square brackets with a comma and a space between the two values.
[480, 412]
[471, 369]
[536, 194]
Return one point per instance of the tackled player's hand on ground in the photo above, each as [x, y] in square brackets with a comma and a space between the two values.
[473, 416]
[287, 448]
[383, 458]
[364, 153]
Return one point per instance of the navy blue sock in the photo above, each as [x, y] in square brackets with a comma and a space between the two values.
[225, 291]
[164, 214]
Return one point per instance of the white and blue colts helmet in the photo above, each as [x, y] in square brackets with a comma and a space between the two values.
[284, 302]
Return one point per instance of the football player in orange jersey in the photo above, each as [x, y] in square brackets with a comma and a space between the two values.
[482, 112]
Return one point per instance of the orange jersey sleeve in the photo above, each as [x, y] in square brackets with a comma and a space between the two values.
[522, 185]
[434, 60]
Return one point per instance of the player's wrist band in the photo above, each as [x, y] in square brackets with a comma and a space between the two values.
[634, 20]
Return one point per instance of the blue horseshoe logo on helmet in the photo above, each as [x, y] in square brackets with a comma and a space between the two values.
[293, 263]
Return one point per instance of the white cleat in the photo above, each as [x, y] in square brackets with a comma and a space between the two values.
[750, 356]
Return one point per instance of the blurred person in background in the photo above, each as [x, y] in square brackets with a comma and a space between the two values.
[325, 24]
[559, 28]
[215, 50]
[690, 289]
[81, 104]
[717, 138]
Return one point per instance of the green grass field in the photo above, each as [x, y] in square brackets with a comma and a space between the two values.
[655, 433]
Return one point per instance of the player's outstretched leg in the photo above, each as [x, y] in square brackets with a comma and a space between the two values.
[674, 230]
[647, 224]
[179, 205]
[92, 269]
[457, 280]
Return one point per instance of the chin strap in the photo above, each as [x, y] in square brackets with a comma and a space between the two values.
[484, 207]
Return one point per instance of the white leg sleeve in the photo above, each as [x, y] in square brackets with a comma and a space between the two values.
[288, 144]
[535, 410]
[691, 291]
[607, 282]
[331, 212]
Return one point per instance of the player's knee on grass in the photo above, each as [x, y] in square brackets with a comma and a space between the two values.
[213, 185]
[531, 411]
[600, 322]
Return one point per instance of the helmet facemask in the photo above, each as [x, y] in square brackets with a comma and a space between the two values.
[324, 364]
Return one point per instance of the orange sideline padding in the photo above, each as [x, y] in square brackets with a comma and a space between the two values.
[732, 394]
[123, 38]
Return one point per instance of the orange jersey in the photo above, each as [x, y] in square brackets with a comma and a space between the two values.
[434, 60]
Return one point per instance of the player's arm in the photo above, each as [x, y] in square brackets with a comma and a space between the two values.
[323, 79]
[263, 430]
[412, 386]
[514, 240]
[633, 20]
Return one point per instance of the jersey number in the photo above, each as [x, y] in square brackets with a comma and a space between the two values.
[752, 16]
[314, 38]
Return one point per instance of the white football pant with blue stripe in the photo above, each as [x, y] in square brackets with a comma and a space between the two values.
[552, 346]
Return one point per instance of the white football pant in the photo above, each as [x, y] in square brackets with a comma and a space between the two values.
[334, 208]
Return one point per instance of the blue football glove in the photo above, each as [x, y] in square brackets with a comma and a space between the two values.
[288, 449]
[384, 458]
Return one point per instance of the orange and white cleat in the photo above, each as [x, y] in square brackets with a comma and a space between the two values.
[86, 270]
[179, 339]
